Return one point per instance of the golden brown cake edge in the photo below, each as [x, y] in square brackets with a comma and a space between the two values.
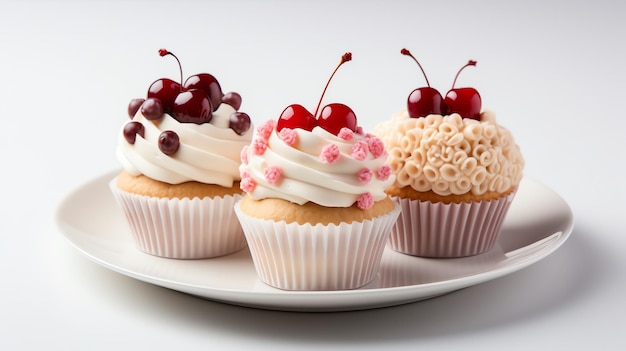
[143, 185]
[278, 210]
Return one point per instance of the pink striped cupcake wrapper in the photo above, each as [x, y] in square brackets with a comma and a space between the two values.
[436, 229]
[182, 228]
[292, 256]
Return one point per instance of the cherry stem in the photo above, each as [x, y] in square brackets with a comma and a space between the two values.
[164, 52]
[469, 63]
[344, 58]
[408, 53]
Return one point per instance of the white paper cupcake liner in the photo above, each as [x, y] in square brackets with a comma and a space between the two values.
[182, 228]
[292, 256]
[434, 229]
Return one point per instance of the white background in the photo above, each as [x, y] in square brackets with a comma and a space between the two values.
[552, 70]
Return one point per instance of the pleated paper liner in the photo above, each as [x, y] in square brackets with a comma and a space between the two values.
[435, 229]
[182, 228]
[292, 256]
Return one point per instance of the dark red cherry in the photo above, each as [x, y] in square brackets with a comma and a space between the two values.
[133, 107]
[333, 116]
[464, 101]
[169, 142]
[152, 109]
[426, 100]
[209, 84]
[192, 106]
[296, 116]
[131, 129]
[165, 90]
[233, 99]
[336, 116]
[239, 122]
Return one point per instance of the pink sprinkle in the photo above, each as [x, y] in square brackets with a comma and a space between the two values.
[359, 150]
[364, 175]
[244, 155]
[376, 146]
[330, 153]
[383, 172]
[265, 129]
[365, 201]
[247, 184]
[359, 130]
[346, 133]
[259, 146]
[273, 174]
[289, 136]
[243, 173]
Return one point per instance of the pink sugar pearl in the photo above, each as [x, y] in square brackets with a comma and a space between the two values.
[365, 201]
[265, 129]
[346, 134]
[359, 151]
[376, 146]
[273, 174]
[247, 184]
[289, 136]
[364, 175]
[259, 146]
[330, 153]
[383, 172]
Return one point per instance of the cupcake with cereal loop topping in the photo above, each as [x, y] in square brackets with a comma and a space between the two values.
[180, 155]
[315, 214]
[456, 170]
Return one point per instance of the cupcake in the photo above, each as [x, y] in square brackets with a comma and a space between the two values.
[180, 155]
[315, 213]
[456, 171]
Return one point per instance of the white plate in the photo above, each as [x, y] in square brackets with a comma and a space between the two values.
[538, 222]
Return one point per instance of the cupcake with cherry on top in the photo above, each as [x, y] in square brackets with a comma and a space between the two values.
[180, 155]
[315, 213]
[456, 171]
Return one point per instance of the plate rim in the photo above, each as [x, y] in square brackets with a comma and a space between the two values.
[323, 299]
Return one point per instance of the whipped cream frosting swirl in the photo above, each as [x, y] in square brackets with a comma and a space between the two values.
[451, 155]
[315, 166]
[209, 153]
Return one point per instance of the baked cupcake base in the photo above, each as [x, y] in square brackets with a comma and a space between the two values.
[293, 256]
[440, 230]
[182, 228]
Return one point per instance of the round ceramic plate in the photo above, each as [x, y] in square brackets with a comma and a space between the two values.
[538, 223]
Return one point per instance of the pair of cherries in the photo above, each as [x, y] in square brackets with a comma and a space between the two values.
[427, 100]
[333, 117]
[421, 103]
[193, 101]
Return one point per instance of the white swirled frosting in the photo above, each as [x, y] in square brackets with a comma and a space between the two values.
[450, 154]
[208, 153]
[315, 166]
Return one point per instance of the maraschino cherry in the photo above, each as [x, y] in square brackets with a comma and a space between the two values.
[464, 101]
[333, 117]
[207, 83]
[426, 100]
[296, 116]
[190, 105]
[165, 90]
[192, 102]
